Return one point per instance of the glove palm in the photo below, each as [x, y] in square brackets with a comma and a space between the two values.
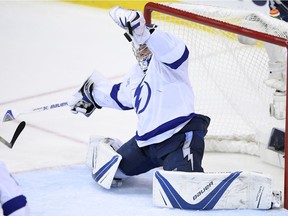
[83, 101]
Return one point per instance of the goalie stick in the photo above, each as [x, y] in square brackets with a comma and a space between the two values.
[13, 114]
[17, 132]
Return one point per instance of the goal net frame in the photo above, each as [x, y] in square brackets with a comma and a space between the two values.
[161, 8]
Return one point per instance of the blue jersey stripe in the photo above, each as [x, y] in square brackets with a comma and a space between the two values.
[164, 127]
[114, 96]
[177, 63]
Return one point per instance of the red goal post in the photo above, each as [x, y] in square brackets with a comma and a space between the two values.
[186, 15]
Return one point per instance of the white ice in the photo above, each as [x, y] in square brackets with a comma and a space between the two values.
[46, 50]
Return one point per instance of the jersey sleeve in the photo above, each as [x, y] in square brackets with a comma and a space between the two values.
[168, 49]
[107, 94]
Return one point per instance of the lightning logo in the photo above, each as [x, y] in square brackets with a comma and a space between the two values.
[186, 148]
[142, 96]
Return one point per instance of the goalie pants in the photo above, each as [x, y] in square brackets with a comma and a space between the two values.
[182, 152]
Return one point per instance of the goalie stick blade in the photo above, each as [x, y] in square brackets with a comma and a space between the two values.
[18, 131]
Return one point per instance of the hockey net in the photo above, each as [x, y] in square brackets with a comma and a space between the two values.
[227, 76]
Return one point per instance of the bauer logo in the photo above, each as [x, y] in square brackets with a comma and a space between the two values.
[202, 191]
[58, 105]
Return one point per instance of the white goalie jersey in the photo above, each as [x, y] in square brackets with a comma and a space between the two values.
[162, 97]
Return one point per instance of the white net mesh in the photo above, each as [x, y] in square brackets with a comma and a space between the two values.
[227, 76]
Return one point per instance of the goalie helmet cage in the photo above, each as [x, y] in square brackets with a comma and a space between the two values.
[228, 76]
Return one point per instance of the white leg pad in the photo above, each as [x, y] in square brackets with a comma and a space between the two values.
[94, 141]
[105, 162]
[205, 191]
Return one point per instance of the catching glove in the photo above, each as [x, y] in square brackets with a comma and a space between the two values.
[133, 22]
[83, 101]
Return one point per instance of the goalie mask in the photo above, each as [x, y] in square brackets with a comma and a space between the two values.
[143, 56]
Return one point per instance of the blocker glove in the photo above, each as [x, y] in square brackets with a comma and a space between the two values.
[83, 101]
[133, 22]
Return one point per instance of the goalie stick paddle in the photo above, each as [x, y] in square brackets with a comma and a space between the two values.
[17, 132]
[13, 114]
